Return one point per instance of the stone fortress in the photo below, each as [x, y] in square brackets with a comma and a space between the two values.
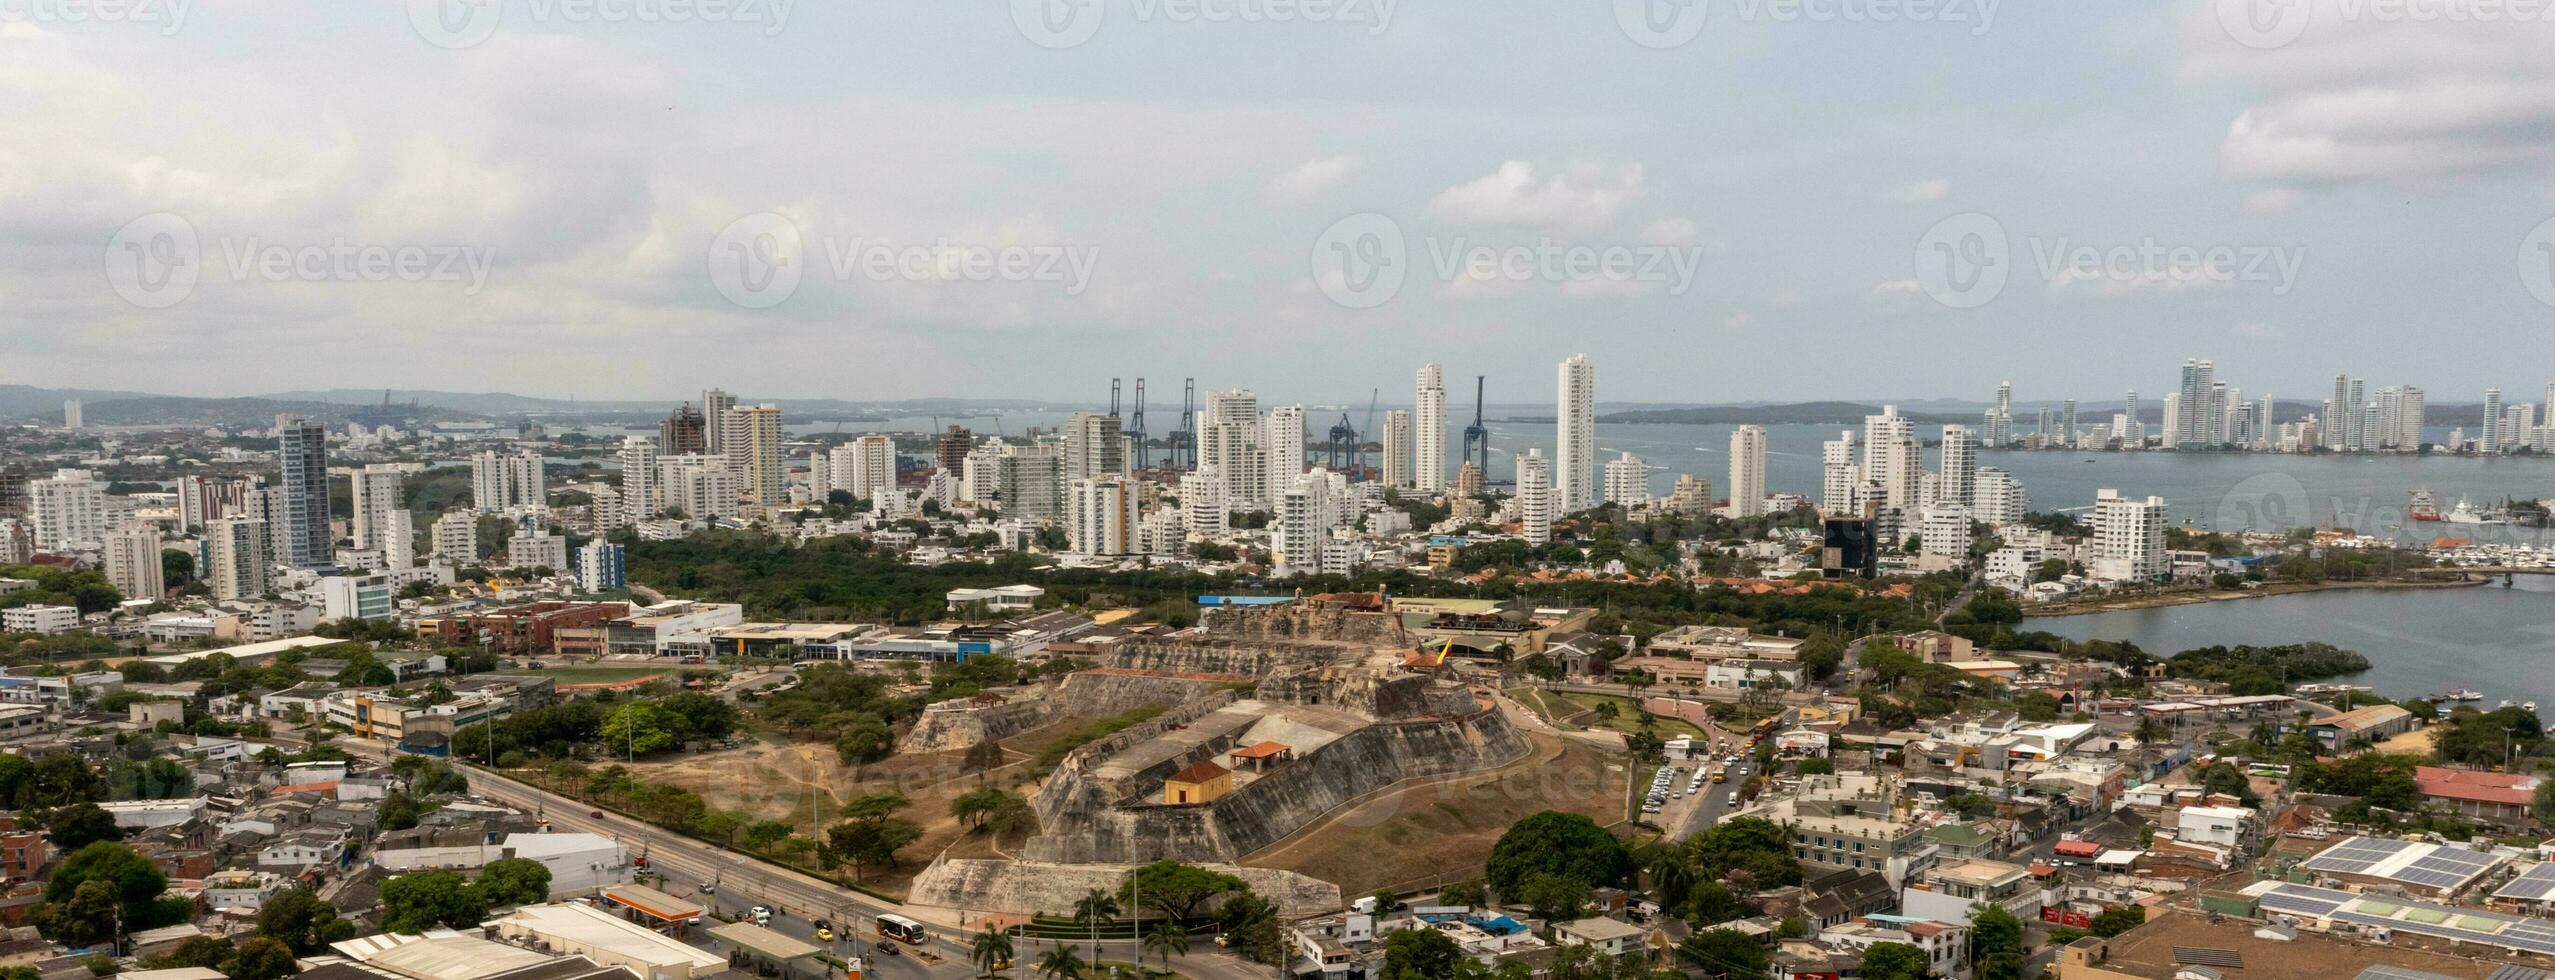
[1273, 718]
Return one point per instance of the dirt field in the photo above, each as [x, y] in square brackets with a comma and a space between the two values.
[1443, 830]
[779, 780]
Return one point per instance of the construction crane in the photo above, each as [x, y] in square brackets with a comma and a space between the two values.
[1477, 436]
[1341, 453]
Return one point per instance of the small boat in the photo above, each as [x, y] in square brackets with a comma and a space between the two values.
[2529, 706]
[2506, 703]
[2435, 698]
[2463, 694]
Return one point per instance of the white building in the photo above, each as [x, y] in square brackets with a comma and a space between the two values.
[1840, 475]
[69, 511]
[1397, 449]
[1283, 445]
[1628, 481]
[500, 481]
[703, 487]
[368, 597]
[602, 567]
[1428, 431]
[1202, 502]
[530, 549]
[1943, 530]
[863, 467]
[133, 562]
[1892, 459]
[376, 494]
[1228, 443]
[1959, 465]
[45, 620]
[1575, 441]
[1101, 515]
[241, 565]
[456, 538]
[1747, 471]
[1095, 446]
[1535, 497]
[1997, 498]
[642, 494]
[2129, 538]
[751, 441]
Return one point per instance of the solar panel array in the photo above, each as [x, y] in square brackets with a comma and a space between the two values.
[2510, 932]
[2384, 972]
[2209, 956]
[2356, 855]
[2447, 868]
[2517, 973]
[2537, 885]
[2442, 867]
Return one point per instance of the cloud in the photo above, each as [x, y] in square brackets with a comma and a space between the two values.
[2363, 96]
[1583, 198]
[1309, 180]
[1920, 192]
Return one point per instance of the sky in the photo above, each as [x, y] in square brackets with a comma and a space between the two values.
[1717, 200]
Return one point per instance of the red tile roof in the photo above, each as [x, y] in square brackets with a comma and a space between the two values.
[2481, 787]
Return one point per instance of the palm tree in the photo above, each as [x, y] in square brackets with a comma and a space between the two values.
[1670, 875]
[1059, 963]
[1167, 938]
[991, 947]
[1094, 909]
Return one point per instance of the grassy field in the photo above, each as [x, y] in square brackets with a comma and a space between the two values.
[1626, 718]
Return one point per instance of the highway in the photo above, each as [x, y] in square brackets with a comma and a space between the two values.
[741, 882]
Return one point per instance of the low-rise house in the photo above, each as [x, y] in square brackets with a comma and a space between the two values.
[1613, 937]
[2499, 799]
[1946, 893]
[304, 848]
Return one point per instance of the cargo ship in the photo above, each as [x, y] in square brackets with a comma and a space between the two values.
[2422, 507]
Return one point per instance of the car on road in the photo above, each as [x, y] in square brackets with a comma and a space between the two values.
[885, 949]
[762, 915]
[597, 814]
[709, 888]
[824, 935]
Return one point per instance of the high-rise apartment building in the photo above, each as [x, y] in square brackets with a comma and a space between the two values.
[1228, 443]
[949, 453]
[2129, 538]
[68, 510]
[1101, 515]
[455, 538]
[2492, 441]
[1535, 497]
[133, 562]
[374, 492]
[752, 444]
[1031, 481]
[1892, 460]
[1428, 431]
[1997, 498]
[864, 467]
[1747, 471]
[1691, 497]
[715, 405]
[501, 481]
[703, 487]
[1095, 446]
[2198, 423]
[1959, 464]
[1397, 449]
[1283, 446]
[1202, 502]
[1575, 443]
[602, 567]
[1840, 475]
[240, 559]
[1628, 481]
[71, 414]
[642, 490]
[303, 446]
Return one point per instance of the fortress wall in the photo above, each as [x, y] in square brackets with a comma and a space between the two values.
[979, 885]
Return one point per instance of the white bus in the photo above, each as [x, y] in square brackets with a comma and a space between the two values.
[900, 929]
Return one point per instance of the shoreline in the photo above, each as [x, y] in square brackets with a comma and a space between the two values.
[2195, 598]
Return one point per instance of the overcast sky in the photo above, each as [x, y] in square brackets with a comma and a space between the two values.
[1738, 201]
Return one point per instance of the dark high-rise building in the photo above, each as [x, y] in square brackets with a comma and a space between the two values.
[951, 452]
[1851, 549]
[302, 494]
[684, 433]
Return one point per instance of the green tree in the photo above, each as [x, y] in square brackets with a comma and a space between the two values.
[1059, 963]
[1096, 908]
[1751, 851]
[1725, 952]
[990, 950]
[415, 902]
[1420, 954]
[1565, 844]
[515, 881]
[874, 833]
[2118, 919]
[639, 728]
[261, 958]
[2542, 805]
[1895, 961]
[1996, 943]
[1168, 939]
[865, 738]
[1178, 891]
[134, 881]
[84, 916]
[73, 827]
[1555, 898]
[303, 921]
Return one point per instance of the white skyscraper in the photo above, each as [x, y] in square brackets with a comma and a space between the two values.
[1959, 464]
[715, 404]
[1102, 519]
[68, 510]
[1428, 431]
[1575, 446]
[2492, 441]
[2172, 419]
[133, 562]
[864, 467]
[1627, 481]
[1747, 471]
[456, 538]
[398, 540]
[1535, 497]
[1283, 442]
[1202, 501]
[1997, 498]
[1302, 522]
[1095, 446]
[374, 495]
[1892, 460]
[1397, 449]
[752, 445]
[642, 496]
[240, 558]
[2129, 538]
[71, 414]
[1228, 441]
[1839, 475]
[499, 481]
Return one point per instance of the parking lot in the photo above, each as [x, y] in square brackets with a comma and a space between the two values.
[1683, 799]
